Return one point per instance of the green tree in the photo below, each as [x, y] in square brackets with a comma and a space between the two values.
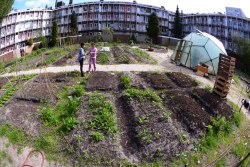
[153, 29]
[5, 7]
[73, 24]
[54, 36]
[177, 27]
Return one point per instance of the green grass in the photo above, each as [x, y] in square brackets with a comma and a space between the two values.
[5, 159]
[103, 58]
[142, 55]
[126, 81]
[14, 135]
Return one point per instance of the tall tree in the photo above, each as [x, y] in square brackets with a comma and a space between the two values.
[73, 24]
[153, 29]
[54, 36]
[5, 7]
[177, 27]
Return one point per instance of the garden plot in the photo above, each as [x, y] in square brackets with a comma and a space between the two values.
[137, 81]
[4, 80]
[70, 59]
[121, 57]
[147, 131]
[101, 81]
[187, 110]
[22, 109]
[159, 81]
[213, 103]
[182, 80]
[95, 140]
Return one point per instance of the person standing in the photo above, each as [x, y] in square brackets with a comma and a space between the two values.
[92, 57]
[81, 58]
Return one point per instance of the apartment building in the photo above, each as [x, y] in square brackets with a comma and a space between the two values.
[124, 17]
[226, 27]
[18, 26]
[129, 17]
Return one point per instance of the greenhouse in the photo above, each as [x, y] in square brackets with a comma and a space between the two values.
[199, 48]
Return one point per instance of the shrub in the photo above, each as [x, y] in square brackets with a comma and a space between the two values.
[29, 42]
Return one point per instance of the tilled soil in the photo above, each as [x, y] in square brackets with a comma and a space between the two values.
[4, 80]
[147, 134]
[182, 80]
[187, 110]
[213, 103]
[22, 110]
[104, 81]
[89, 153]
[158, 81]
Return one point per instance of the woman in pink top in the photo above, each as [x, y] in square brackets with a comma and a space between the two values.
[92, 57]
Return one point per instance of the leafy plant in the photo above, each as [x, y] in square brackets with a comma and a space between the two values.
[103, 113]
[69, 123]
[97, 136]
[49, 116]
[126, 81]
[143, 120]
[142, 95]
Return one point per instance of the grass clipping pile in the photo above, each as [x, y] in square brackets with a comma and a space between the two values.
[118, 118]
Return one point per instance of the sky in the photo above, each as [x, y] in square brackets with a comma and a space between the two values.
[187, 6]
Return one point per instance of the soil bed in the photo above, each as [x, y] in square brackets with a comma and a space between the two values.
[147, 134]
[22, 110]
[88, 152]
[187, 110]
[182, 80]
[104, 81]
[213, 103]
[4, 80]
[158, 81]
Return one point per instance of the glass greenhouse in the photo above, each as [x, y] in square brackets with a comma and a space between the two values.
[199, 48]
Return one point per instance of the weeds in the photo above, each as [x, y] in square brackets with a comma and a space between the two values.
[49, 116]
[69, 123]
[126, 81]
[237, 80]
[13, 134]
[5, 159]
[208, 88]
[96, 137]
